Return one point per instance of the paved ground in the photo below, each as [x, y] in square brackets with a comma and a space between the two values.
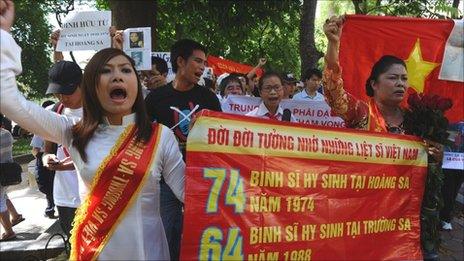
[452, 247]
[36, 230]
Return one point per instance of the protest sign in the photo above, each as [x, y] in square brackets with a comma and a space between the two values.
[268, 190]
[309, 112]
[137, 44]
[453, 160]
[85, 31]
[453, 157]
[239, 104]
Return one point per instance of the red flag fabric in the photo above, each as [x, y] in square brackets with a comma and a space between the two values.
[221, 66]
[419, 42]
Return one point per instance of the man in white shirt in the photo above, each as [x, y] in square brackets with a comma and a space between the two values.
[312, 79]
[271, 91]
[64, 80]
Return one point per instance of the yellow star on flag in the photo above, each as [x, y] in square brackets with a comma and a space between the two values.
[418, 69]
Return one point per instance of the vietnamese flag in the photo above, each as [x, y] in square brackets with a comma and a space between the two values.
[221, 66]
[419, 42]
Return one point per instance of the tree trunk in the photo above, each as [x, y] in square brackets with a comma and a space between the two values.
[179, 31]
[308, 52]
[358, 6]
[456, 5]
[361, 6]
[135, 13]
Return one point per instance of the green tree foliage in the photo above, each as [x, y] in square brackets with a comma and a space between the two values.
[237, 30]
[242, 31]
[419, 8]
[246, 30]
[31, 30]
[327, 9]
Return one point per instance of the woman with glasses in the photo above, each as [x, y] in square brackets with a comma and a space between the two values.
[271, 91]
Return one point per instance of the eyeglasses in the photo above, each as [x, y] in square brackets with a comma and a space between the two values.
[268, 88]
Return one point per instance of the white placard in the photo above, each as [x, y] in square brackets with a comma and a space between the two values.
[237, 104]
[85, 30]
[453, 58]
[309, 112]
[453, 160]
[137, 44]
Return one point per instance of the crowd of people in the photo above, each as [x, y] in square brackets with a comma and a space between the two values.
[111, 110]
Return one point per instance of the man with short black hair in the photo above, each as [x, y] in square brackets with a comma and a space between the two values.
[157, 76]
[174, 105]
[161, 65]
[184, 94]
[311, 79]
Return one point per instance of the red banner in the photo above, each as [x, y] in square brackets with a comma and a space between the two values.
[221, 66]
[419, 42]
[268, 190]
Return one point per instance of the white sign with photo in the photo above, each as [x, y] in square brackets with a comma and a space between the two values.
[85, 30]
[137, 44]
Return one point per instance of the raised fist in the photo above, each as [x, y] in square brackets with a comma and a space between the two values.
[54, 38]
[333, 28]
[6, 14]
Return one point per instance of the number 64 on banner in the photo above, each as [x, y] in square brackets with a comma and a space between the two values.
[211, 247]
[234, 196]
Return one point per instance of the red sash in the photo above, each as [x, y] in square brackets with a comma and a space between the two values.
[117, 182]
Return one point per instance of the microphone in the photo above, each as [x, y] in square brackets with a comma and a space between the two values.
[286, 115]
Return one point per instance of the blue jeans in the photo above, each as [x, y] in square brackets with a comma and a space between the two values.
[171, 214]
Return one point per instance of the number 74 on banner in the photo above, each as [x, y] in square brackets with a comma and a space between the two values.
[234, 196]
[211, 246]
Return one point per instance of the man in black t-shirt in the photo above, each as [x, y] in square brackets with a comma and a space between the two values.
[173, 105]
[175, 108]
